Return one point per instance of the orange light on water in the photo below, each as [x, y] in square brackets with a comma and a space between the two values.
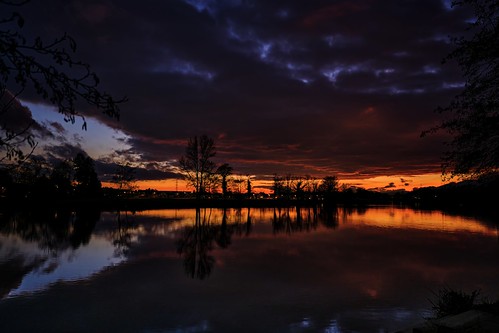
[376, 217]
[400, 218]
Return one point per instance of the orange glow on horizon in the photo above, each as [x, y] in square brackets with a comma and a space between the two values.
[406, 182]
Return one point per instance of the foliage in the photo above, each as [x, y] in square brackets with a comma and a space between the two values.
[197, 165]
[50, 70]
[61, 177]
[474, 123]
[450, 302]
[37, 180]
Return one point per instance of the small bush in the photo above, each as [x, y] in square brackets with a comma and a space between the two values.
[451, 302]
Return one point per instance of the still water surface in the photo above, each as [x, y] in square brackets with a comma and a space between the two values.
[237, 270]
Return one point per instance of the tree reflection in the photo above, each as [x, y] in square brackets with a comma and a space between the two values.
[51, 230]
[199, 240]
[329, 216]
[122, 234]
[195, 245]
[289, 220]
[223, 235]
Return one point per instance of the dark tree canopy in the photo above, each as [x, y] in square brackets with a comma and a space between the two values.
[87, 182]
[474, 122]
[61, 177]
[50, 70]
[329, 185]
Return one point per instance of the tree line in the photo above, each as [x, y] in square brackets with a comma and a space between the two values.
[204, 176]
[37, 179]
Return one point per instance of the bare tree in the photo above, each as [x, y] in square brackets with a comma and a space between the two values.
[197, 165]
[50, 70]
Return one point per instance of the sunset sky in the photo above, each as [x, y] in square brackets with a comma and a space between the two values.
[303, 87]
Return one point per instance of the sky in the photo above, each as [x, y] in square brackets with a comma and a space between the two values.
[309, 87]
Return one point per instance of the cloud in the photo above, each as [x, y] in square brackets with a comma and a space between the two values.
[106, 170]
[348, 85]
[16, 118]
[62, 151]
[391, 185]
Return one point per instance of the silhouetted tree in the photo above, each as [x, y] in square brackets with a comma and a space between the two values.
[60, 179]
[50, 70]
[328, 187]
[30, 171]
[474, 125]
[248, 186]
[5, 182]
[197, 165]
[224, 170]
[299, 187]
[87, 182]
[311, 184]
[277, 186]
[31, 179]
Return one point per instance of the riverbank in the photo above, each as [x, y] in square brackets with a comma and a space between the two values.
[471, 321]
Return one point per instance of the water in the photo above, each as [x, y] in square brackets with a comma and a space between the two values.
[244, 270]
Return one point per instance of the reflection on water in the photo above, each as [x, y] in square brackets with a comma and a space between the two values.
[38, 250]
[68, 265]
[283, 269]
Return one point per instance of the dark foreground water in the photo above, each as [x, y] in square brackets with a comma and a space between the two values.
[258, 270]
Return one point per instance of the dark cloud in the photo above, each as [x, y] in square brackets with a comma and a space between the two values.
[300, 87]
[57, 127]
[107, 170]
[62, 151]
[18, 119]
[391, 185]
